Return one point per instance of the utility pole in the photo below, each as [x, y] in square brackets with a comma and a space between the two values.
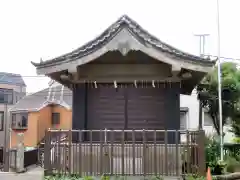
[202, 43]
[219, 83]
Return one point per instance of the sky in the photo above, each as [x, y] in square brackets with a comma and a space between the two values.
[35, 29]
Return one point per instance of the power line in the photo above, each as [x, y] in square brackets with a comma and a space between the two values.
[222, 57]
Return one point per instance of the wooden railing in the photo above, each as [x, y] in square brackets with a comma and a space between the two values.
[124, 152]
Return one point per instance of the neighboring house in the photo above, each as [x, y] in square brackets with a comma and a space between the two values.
[35, 113]
[12, 89]
[127, 79]
[190, 117]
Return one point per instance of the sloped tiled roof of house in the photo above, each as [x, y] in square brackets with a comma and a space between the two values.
[53, 95]
[10, 78]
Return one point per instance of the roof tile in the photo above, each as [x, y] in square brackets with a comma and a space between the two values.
[10, 78]
[35, 101]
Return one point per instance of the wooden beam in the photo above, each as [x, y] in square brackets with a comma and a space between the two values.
[126, 79]
[73, 70]
[175, 70]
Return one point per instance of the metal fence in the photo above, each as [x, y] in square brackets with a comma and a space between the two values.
[143, 152]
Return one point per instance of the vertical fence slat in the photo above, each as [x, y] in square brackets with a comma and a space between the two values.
[188, 153]
[58, 164]
[133, 151]
[144, 153]
[122, 153]
[155, 153]
[201, 153]
[65, 158]
[195, 154]
[47, 154]
[91, 153]
[70, 152]
[101, 153]
[80, 153]
[177, 152]
[166, 151]
[111, 157]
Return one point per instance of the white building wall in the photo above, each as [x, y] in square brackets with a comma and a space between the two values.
[192, 104]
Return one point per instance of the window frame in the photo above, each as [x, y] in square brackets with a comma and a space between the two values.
[206, 116]
[55, 122]
[6, 93]
[186, 114]
[2, 123]
[18, 118]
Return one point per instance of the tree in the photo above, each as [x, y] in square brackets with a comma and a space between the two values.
[208, 90]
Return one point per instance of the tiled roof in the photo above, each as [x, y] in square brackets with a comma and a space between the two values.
[55, 95]
[142, 35]
[10, 78]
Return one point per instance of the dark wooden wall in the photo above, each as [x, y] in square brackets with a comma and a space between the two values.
[172, 109]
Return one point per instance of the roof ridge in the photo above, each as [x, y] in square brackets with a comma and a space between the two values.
[11, 78]
[32, 102]
[10, 73]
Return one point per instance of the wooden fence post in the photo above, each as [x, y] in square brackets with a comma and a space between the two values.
[201, 153]
[47, 154]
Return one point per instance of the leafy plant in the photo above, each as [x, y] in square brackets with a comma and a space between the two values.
[156, 178]
[212, 152]
[208, 94]
[72, 177]
[104, 177]
[195, 177]
[232, 164]
[236, 140]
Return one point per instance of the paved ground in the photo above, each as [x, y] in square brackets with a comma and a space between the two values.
[36, 173]
[33, 173]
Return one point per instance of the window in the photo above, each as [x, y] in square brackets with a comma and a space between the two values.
[1, 121]
[207, 119]
[183, 120]
[6, 96]
[19, 121]
[55, 118]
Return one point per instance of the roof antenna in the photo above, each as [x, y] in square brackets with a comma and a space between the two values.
[115, 84]
[95, 84]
